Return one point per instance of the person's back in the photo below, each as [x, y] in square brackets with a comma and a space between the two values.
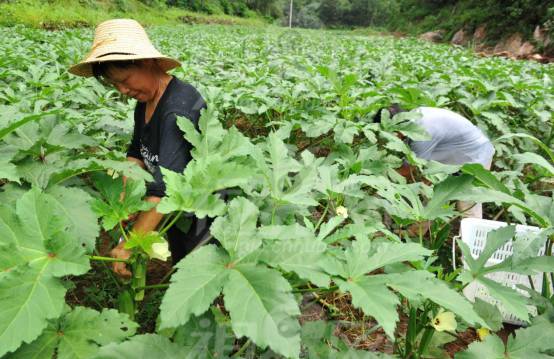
[454, 139]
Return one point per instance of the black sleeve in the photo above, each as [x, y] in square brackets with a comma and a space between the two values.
[174, 154]
[134, 147]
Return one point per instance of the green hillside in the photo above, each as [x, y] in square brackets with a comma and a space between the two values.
[75, 13]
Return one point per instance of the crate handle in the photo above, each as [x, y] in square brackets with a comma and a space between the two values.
[454, 239]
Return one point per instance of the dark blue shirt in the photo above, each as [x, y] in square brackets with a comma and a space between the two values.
[160, 142]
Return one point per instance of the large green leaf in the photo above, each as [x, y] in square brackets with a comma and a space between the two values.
[489, 313]
[444, 192]
[78, 334]
[374, 299]
[484, 195]
[294, 248]
[511, 300]
[77, 206]
[8, 170]
[533, 158]
[36, 245]
[77, 167]
[198, 281]
[495, 239]
[263, 308]
[143, 346]
[302, 256]
[28, 297]
[538, 142]
[370, 292]
[491, 348]
[532, 342]
[110, 206]
[365, 256]
[14, 125]
[237, 231]
[276, 165]
[219, 163]
[416, 285]
[181, 196]
[206, 336]
[485, 177]
[383, 254]
[39, 233]
[528, 245]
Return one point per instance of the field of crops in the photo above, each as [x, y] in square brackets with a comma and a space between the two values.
[316, 255]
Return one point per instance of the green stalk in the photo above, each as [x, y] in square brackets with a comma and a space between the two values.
[425, 340]
[62, 179]
[175, 219]
[549, 253]
[107, 259]
[166, 277]
[123, 233]
[126, 303]
[139, 277]
[242, 349]
[545, 282]
[531, 282]
[308, 290]
[411, 332]
[164, 222]
[109, 271]
[323, 215]
[545, 286]
[153, 286]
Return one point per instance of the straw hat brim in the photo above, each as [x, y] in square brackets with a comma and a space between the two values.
[84, 68]
[121, 40]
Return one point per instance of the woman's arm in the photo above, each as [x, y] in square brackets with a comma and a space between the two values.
[148, 221]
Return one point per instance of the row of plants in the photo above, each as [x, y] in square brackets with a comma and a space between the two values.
[303, 189]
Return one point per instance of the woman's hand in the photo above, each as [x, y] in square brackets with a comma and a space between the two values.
[120, 268]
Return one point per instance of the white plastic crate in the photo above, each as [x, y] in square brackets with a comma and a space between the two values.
[474, 233]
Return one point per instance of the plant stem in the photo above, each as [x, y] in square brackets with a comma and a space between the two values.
[412, 331]
[273, 213]
[166, 277]
[495, 218]
[75, 175]
[323, 215]
[549, 252]
[110, 272]
[322, 301]
[164, 222]
[312, 290]
[153, 286]
[123, 231]
[242, 349]
[107, 259]
[531, 282]
[373, 329]
[166, 228]
[425, 340]
[456, 336]
[420, 230]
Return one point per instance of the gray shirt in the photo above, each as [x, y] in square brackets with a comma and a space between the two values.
[454, 139]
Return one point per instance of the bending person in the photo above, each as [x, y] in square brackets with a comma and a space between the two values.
[122, 56]
[454, 141]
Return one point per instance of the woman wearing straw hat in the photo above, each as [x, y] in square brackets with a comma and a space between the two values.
[123, 56]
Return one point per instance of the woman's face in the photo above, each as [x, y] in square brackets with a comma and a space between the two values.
[139, 82]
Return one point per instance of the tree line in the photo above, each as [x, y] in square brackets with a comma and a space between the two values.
[402, 15]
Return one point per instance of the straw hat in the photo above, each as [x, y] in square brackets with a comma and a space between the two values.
[118, 40]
